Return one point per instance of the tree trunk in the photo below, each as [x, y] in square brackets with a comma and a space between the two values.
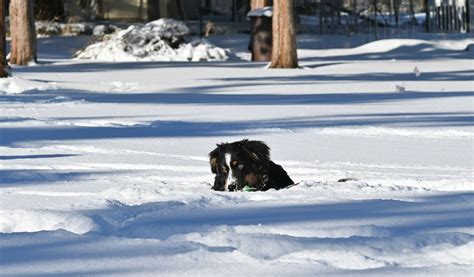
[426, 4]
[208, 4]
[376, 25]
[355, 16]
[412, 10]
[23, 33]
[322, 7]
[165, 9]
[390, 12]
[49, 10]
[468, 16]
[153, 9]
[3, 60]
[284, 35]
[396, 10]
[141, 9]
[172, 9]
[258, 4]
[339, 7]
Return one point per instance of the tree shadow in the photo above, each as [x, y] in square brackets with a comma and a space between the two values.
[153, 229]
[61, 48]
[207, 95]
[24, 177]
[442, 76]
[401, 218]
[164, 129]
[41, 156]
[64, 247]
[93, 66]
[421, 51]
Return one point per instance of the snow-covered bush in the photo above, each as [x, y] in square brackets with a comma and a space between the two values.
[46, 28]
[160, 40]
[101, 30]
[52, 28]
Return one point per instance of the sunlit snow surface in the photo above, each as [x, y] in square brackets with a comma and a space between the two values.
[104, 166]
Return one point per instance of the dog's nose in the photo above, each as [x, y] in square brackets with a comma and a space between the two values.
[230, 182]
[231, 187]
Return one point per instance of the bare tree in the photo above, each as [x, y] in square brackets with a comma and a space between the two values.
[396, 11]
[412, 11]
[390, 11]
[468, 16]
[376, 23]
[257, 4]
[153, 9]
[22, 32]
[355, 16]
[426, 5]
[3, 60]
[172, 9]
[165, 9]
[141, 9]
[284, 35]
[49, 9]
[338, 5]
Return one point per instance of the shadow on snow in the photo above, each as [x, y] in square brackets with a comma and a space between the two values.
[408, 226]
[13, 136]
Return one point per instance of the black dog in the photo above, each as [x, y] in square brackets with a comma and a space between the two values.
[246, 163]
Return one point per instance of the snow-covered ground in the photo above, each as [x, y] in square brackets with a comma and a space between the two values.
[104, 166]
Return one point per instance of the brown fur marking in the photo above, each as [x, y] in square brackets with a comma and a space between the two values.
[252, 179]
[213, 163]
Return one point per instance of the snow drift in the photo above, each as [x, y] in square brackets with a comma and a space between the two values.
[16, 85]
[160, 40]
[14, 221]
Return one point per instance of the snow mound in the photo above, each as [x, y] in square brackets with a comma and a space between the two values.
[16, 85]
[160, 40]
[399, 132]
[336, 258]
[387, 45]
[13, 221]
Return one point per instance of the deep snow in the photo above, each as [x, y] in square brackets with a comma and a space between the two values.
[104, 167]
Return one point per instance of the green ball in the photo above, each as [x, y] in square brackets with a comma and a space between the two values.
[248, 189]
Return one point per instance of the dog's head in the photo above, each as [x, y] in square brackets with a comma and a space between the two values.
[238, 164]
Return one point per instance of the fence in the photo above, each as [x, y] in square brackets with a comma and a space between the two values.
[448, 18]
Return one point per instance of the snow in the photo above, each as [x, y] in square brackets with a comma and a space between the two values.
[15, 221]
[15, 85]
[266, 11]
[160, 40]
[104, 166]
[52, 28]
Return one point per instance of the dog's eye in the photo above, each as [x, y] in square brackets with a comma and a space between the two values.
[241, 166]
[234, 163]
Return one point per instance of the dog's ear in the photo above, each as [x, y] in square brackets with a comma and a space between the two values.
[216, 154]
[258, 151]
[213, 156]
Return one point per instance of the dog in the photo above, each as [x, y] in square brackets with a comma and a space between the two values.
[246, 163]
